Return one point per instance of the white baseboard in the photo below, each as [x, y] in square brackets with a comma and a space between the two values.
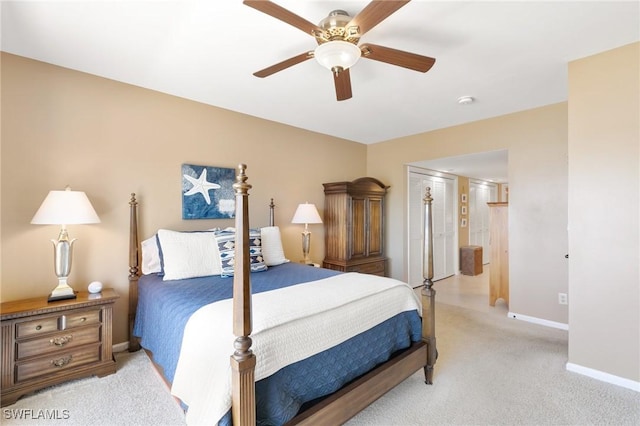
[539, 321]
[121, 347]
[603, 377]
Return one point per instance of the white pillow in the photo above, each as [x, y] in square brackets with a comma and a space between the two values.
[150, 256]
[188, 254]
[272, 246]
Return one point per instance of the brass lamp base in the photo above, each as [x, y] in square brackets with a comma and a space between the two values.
[306, 244]
[62, 292]
[63, 249]
[53, 298]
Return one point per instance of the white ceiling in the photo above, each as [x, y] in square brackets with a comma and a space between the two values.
[508, 55]
[490, 166]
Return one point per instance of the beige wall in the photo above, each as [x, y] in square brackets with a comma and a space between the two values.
[109, 139]
[537, 144]
[604, 199]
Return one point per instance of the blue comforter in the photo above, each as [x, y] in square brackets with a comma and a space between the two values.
[164, 307]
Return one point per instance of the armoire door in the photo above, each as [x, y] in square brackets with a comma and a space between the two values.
[366, 222]
[358, 235]
[444, 229]
[375, 241]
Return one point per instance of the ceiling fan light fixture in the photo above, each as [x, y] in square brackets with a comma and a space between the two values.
[337, 54]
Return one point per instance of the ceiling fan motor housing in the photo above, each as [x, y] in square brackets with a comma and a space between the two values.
[334, 27]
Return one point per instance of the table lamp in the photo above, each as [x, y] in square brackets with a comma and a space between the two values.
[306, 213]
[64, 208]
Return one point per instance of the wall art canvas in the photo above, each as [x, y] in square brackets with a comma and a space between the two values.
[207, 192]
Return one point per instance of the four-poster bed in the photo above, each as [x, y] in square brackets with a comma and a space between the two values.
[271, 323]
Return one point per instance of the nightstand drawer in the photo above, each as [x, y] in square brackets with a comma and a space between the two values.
[58, 342]
[77, 319]
[55, 323]
[34, 328]
[57, 362]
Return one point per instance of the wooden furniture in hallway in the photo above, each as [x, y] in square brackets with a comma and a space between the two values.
[471, 260]
[499, 243]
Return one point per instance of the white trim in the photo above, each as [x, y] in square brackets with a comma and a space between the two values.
[546, 323]
[121, 347]
[603, 377]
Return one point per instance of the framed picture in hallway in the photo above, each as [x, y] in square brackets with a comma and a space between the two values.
[463, 198]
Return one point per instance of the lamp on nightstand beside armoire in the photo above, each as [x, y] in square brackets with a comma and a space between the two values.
[308, 214]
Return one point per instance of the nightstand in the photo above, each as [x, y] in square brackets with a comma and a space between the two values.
[44, 344]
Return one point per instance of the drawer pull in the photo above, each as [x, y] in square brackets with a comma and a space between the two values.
[39, 327]
[61, 341]
[83, 319]
[61, 362]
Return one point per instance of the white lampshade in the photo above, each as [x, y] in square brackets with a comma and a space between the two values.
[341, 54]
[306, 213]
[65, 208]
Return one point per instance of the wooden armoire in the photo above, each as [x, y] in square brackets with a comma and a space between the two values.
[354, 226]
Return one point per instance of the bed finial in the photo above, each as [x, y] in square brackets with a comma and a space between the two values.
[241, 179]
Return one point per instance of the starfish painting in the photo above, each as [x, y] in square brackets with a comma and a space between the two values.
[201, 186]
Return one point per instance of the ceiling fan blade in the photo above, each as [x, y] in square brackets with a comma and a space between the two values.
[342, 82]
[374, 13]
[279, 12]
[284, 64]
[397, 57]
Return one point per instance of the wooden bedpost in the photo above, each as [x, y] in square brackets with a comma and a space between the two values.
[243, 361]
[428, 293]
[134, 271]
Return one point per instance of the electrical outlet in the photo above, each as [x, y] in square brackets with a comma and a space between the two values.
[562, 298]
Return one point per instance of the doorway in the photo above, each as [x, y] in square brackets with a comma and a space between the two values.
[444, 209]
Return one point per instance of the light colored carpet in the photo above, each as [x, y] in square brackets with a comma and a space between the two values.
[134, 395]
[491, 370]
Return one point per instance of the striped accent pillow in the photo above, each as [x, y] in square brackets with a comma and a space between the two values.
[226, 240]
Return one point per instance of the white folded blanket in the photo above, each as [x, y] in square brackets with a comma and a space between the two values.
[289, 325]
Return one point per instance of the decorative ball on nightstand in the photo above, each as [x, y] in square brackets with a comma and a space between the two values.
[95, 287]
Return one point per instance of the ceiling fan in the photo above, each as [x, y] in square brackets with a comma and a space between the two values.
[337, 36]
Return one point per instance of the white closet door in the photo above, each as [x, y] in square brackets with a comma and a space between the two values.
[444, 232]
[415, 230]
[479, 195]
